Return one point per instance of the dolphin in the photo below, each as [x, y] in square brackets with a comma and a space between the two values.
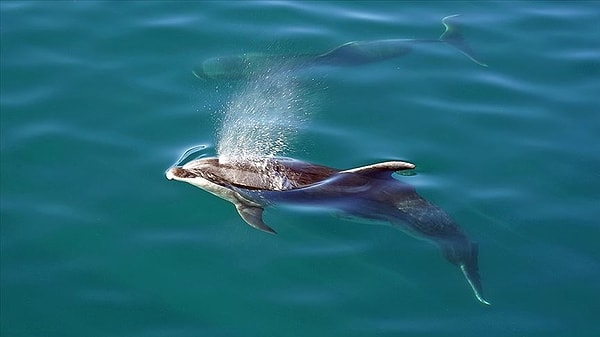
[349, 54]
[370, 192]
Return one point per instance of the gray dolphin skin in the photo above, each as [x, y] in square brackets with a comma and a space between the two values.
[369, 192]
[349, 54]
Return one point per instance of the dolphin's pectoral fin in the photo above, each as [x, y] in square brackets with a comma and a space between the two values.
[471, 272]
[253, 216]
[381, 170]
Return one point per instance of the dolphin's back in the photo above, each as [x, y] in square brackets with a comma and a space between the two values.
[272, 175]
[363, 52]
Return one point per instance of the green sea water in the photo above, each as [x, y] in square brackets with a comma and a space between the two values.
[98, 100]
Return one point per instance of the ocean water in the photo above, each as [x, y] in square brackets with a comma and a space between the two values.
[98, 99]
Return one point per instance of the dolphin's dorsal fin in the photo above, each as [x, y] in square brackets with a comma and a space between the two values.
[453, 37]
[381, 169]
[253, 216]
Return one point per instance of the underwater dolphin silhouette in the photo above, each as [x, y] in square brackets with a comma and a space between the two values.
[349, 54]
[369, 192]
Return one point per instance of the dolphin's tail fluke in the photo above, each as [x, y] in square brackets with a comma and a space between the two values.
[471, 272]
[453, 37]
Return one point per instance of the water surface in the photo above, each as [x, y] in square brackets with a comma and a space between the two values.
[98, 99]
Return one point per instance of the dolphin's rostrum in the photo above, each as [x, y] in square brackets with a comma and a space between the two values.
[369, 192]
[349, 54]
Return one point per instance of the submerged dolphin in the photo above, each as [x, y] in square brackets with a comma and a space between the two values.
[348, 54]
[368, 192]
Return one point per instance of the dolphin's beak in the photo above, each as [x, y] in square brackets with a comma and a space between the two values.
[199, 73]
[170, 174]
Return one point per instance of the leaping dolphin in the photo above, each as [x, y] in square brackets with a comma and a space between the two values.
[348, 54]
[368, 192]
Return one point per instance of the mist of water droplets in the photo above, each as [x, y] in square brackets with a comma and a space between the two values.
[263, 118]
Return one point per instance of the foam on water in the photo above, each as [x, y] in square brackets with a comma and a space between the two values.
[263, 117]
